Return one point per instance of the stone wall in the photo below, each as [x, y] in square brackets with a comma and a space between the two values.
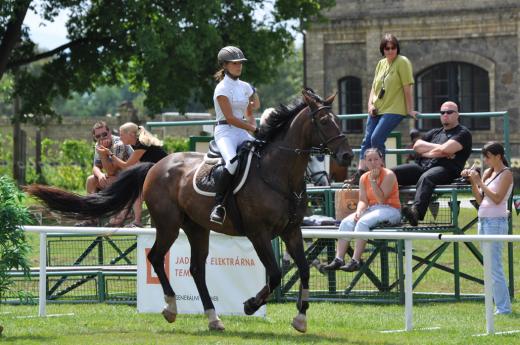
[81, 128]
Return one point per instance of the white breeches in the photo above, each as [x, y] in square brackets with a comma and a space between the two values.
[228, 138]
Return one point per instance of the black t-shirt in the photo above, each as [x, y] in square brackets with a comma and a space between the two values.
[152, 153]
[439, 136]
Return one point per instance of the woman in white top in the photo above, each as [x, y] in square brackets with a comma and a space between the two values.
[234, 102]
[492, 193]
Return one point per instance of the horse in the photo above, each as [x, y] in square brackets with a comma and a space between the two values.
[316, 171]
[272, 202]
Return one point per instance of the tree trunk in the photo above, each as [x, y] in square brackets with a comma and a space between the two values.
[19, 145]
[12, 33]
[38, 156]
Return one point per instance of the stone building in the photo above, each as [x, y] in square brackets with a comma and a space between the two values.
[468, 51]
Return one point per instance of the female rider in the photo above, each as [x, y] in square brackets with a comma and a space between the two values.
[234, 102]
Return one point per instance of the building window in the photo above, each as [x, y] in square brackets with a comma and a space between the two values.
[466, 84]
[350, 102]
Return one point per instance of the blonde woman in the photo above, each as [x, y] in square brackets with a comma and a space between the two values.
[147, 148]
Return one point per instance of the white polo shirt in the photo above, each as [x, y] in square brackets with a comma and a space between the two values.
[237, 92]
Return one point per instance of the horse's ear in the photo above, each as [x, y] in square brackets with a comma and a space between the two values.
[330, 99]
[309, 100]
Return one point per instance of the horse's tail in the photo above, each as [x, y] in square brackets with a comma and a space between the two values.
[111, 200]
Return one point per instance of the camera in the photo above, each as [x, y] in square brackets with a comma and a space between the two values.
[381, 94]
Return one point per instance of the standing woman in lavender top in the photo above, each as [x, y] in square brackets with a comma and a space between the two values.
[492, 192]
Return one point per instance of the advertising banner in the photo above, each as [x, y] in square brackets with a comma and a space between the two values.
[234, 274]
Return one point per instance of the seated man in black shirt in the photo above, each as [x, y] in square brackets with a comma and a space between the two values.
[443, 154]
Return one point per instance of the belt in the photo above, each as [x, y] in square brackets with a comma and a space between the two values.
[222, 122]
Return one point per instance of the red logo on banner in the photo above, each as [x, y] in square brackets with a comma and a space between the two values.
[151, 276]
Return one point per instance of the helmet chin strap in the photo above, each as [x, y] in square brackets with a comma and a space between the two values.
[234, 77]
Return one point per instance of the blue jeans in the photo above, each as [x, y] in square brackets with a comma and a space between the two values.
[378, 129]
[497, 226]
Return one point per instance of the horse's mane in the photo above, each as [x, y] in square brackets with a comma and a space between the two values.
[274, 121]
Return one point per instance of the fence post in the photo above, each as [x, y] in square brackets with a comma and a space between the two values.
[488, 287]
[101, 286]
[43, 274]
[408, 282]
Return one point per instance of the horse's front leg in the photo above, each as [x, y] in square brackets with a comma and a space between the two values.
[265, 252]
[294, 243]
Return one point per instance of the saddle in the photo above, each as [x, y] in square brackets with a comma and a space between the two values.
[213, 164]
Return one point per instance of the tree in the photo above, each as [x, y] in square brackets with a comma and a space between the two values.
[287, 83]
[164, 48]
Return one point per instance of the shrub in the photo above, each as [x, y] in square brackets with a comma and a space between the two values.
[64, 165]
[172, 145]
[6, 155]
[13, 244]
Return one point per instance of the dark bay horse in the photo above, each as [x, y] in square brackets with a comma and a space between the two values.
[272, 202]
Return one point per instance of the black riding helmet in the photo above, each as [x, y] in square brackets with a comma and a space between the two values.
[230, 54]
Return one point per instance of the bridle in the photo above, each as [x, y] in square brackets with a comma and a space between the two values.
[323, 147]
[317, 176]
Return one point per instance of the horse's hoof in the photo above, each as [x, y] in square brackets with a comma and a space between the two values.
[249, 306]
[169, 316]
[300, 323]
[216, 325]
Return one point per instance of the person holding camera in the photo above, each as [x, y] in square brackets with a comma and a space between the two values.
[104, 169]
[492, 191]
[390, 100]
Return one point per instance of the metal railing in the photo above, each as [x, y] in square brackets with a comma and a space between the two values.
[407, 237]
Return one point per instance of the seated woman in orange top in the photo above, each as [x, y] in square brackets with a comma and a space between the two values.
[378, 203]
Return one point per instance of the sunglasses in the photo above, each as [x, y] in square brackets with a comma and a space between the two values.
[390, 48]
[449, 112]
[101, 135]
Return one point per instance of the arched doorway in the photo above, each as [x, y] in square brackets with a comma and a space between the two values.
[461, 82]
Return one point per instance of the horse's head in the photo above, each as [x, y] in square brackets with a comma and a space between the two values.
[326, 130]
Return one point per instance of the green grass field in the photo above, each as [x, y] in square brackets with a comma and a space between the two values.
[328, 324]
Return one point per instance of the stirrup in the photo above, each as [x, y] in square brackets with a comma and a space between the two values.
[218, 215]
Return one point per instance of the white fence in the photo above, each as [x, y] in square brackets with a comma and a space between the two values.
[408, 237]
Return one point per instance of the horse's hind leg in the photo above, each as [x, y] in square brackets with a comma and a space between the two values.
[199, 243]
[167, 231]
[293, 241]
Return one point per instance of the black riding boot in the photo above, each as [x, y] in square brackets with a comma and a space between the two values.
[218, 214]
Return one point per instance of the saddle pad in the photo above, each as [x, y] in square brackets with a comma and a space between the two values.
[204, 181]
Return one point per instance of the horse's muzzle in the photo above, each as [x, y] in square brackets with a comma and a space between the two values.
[345, 158]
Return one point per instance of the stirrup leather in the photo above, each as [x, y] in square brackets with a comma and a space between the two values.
[218, 215]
